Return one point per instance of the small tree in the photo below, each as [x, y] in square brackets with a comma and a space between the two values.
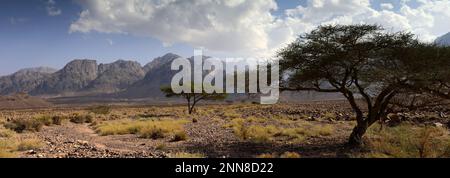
[193, 98]
[368, 66]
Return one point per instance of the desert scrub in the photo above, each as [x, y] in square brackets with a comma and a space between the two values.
[186, 155]
[9, 147]
[267, 155]
[81, 118]
[407, 141]
[231, 113]
[290, 155]
[154, 129]
[29, 144]
[58, 120]
[283, 155]
[45, 120]
[101, 110]
[6, 133]
[246, 130]
[21, 125]
[179, 136]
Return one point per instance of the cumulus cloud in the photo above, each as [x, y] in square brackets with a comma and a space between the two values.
[51, 8]
[249, 27]
[387, 6]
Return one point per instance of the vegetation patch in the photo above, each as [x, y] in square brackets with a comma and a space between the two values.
[21, 125]
[101, 110]
[6, 133]
[29, 144]
[9, 147]
[247, 130]
[407, 141]
[186, 155]
[154, 129]
[283, 155]
[81, 118]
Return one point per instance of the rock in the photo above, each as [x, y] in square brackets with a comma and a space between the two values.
[31, 152]
[82, 142]
[442, 115]
[437, 124]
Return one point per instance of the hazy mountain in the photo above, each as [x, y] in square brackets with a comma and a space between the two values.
[443, 40]
[118, 80]
[73, 77]
[158, 62]
[158, 74]
[24, 80]
[116, 76]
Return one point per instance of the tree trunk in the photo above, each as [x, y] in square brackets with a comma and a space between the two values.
[355, 139]
[189, 108]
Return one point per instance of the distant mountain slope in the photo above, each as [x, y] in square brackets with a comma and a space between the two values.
[158, 62]
[115, 81]
[21, 100]
[158, 74]
[24, 80]
[73, 77]
[443, 40]
[116, 76]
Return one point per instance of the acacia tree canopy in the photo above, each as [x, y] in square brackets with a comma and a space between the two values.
[193, 98]
[365, 63]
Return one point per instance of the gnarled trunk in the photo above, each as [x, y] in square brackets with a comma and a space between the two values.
[357, 134]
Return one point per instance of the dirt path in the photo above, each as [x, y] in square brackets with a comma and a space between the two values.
[207, 137]
[80, 141]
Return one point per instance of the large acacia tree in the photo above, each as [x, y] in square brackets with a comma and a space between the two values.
[193, 98]
[370, 67]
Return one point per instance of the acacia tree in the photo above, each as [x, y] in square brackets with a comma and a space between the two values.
[193, 98]
[368, 66]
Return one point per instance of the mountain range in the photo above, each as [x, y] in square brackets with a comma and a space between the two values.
[84, 77]
[443, 40]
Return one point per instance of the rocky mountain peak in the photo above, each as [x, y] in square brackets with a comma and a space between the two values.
[159, 61]
[443, 40]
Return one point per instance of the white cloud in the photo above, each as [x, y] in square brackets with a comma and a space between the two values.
[387, 6]
[248, 27]
[51, 8]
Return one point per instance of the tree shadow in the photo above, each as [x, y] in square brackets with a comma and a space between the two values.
[251, 149]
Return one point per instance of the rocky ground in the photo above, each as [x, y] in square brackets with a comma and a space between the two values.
[207, 135]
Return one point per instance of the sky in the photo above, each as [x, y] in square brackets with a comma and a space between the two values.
[53, 32]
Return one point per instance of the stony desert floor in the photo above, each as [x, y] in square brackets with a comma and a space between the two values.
[316, 129]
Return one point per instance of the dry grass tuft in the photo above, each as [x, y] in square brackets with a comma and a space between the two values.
[186, 155]
[408, 141]
[154, 129]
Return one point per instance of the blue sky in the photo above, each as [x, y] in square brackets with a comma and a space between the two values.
[53, 32]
